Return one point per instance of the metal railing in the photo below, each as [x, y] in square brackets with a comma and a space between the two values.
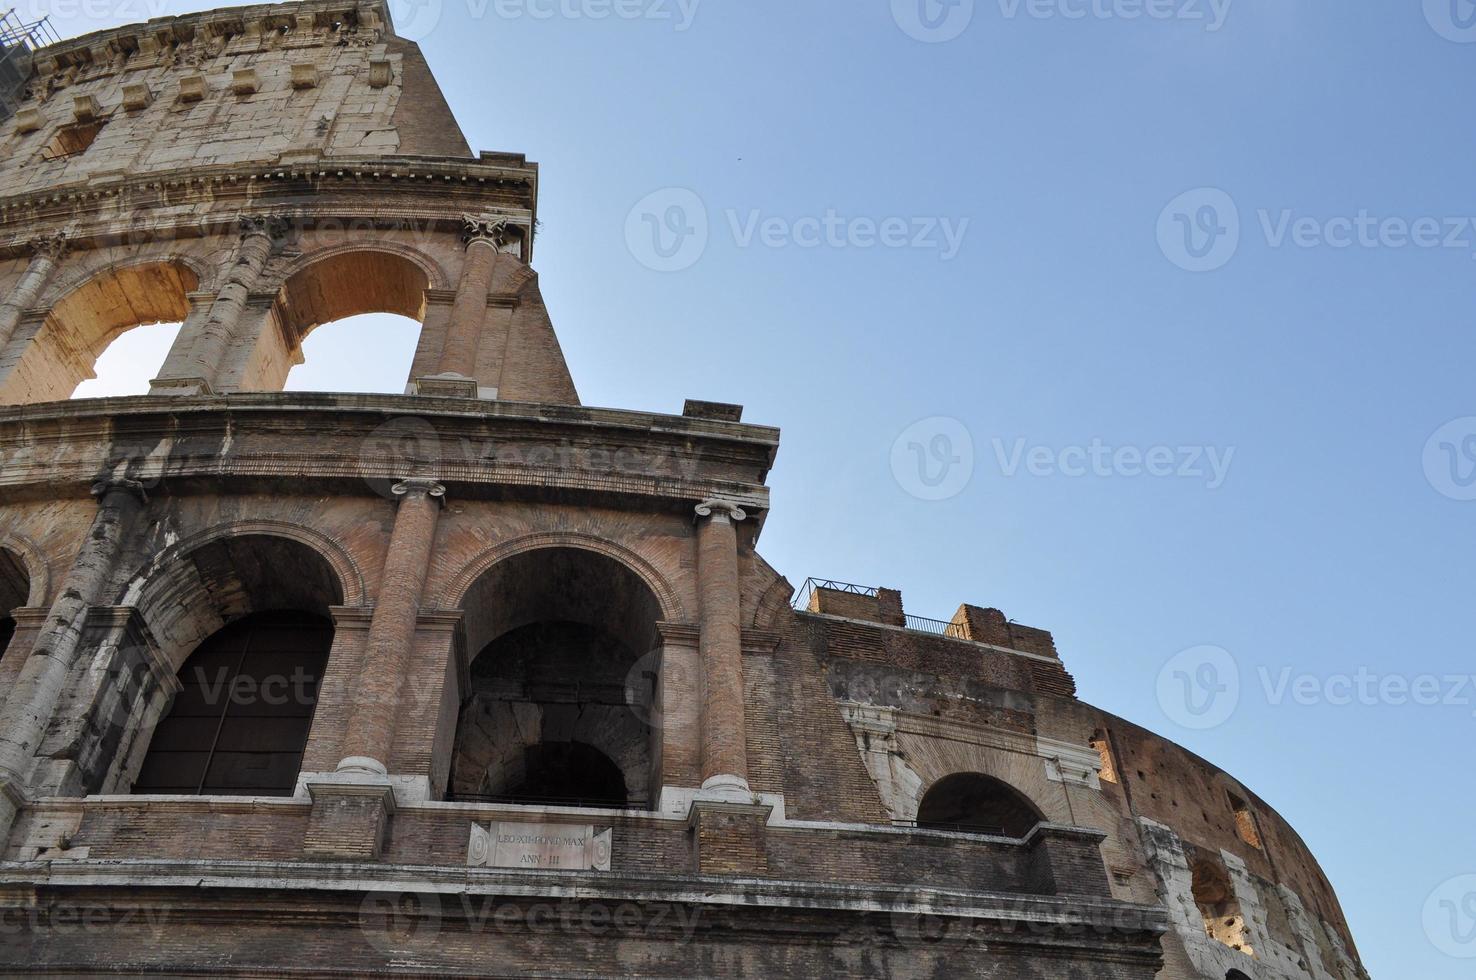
[18, 43]
[923, 624]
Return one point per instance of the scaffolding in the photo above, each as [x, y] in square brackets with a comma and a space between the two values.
[19, 42]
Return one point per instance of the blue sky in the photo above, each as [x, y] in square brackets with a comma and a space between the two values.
[1065, 377]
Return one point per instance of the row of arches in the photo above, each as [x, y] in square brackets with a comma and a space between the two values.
[559, 704]
[117, 330]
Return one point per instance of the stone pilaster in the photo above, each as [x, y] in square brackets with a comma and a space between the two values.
[30, 703]
[724, 752]
[207, 351]
[485, 237]
[371, 726]
[46, 254]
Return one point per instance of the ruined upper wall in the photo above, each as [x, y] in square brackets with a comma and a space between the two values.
[265, 84]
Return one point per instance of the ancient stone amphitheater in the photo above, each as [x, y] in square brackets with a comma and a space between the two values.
[475, 680]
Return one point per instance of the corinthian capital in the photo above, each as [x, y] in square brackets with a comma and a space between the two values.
[273, 226]
[499, 231]
[721, 510]
[52, 246]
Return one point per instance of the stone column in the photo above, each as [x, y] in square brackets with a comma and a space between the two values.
[457, 367]
[46, 254]
[724, 753]
[202, 366]
[30, 703]
[179, 371]
[371, 726]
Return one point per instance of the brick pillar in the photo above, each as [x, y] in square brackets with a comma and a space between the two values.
[200, 369]
[46, 254]
[469, 309]
[371, 725]
[30, 703]
[724, 754]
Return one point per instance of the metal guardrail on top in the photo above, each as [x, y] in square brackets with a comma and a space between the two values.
[18, 42]
[923, 624]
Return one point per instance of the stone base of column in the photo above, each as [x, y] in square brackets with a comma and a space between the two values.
[351, 814]
[180, 387]
[452, 386]
[729, 838]
[12, 801]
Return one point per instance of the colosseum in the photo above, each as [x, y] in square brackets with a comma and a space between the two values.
[475, 680]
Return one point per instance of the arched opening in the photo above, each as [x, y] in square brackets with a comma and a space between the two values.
[370, 302]
[1214, 894]
[239, 725]
[247, 621]
[15, 590]
[974, 803]
[561, 687]
[67, 347]
[1236, 975]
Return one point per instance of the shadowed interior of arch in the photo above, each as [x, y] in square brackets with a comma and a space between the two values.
[15, 589]
[76, 342]
[972, 802]
[563, 686]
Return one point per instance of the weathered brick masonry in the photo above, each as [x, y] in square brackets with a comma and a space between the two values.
[476, 680]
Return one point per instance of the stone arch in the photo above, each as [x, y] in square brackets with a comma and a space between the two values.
[32, 562]
[562, 682]
[455, 591]
[202, 584]
[69, 279]
[350, 578]
[973, 802]
[435, 275]
[62, 350]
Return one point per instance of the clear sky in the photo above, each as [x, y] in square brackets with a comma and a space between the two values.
[1183, 381]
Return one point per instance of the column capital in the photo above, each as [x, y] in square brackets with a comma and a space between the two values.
[101, 488]
[418, 487]
[720, 510]
[271, 226]
[52, 246]
[500, 231]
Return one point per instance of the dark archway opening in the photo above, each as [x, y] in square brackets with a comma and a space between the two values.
[558, 708]
[1236, 975]
[239, 725]
[973, 803]
[15, 590]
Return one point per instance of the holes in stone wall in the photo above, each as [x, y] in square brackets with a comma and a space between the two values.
[1214, 894]
[972, 802]
[1245, 821]
[1103, 745]
[71, 140]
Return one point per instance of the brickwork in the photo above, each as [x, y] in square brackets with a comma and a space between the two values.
[260, 171]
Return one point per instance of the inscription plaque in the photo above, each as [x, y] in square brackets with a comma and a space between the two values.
[539, 847]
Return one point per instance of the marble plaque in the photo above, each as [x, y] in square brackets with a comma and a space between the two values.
[539, 847]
